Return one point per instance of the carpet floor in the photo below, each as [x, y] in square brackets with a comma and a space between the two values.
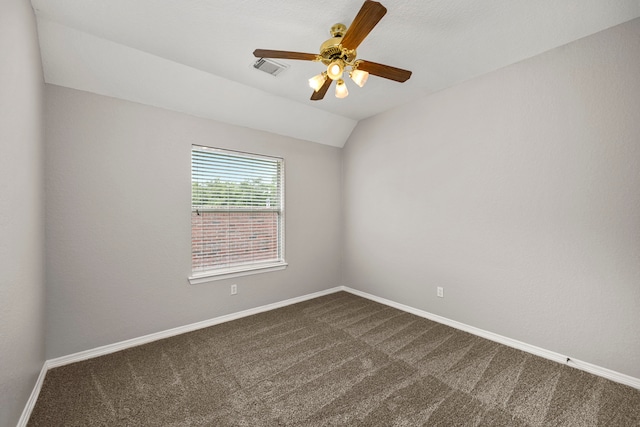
[337, 360]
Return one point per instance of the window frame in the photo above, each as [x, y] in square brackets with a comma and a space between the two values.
[256, 267]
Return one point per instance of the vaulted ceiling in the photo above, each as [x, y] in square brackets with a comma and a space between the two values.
[195, 56]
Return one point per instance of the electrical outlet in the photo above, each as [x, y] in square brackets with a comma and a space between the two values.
[440, 291]
[234, 289]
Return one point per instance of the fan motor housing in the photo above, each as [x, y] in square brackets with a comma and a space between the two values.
[332, 49]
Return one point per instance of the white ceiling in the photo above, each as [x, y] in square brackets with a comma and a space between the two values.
[195, 56]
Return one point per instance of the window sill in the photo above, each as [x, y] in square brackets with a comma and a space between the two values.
[228, 273]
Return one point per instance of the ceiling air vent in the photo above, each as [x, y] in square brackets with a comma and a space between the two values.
[269, 66]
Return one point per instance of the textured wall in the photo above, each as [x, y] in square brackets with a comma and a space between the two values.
[21, 209]
[518, 193]
[118, 220]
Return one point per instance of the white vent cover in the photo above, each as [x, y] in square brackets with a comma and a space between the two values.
[269, 66]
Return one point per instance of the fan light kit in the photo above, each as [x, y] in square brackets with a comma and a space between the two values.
[339, 55]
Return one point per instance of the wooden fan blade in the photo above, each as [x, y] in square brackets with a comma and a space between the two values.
[368, 17]
[385, 71]
[266, 53]
[317, 96]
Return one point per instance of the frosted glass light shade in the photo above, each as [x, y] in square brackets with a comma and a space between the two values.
[335, 69]
[316, 82]
[341, 89]
[359, 77]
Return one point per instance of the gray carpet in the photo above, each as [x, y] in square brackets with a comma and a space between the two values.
[338, 360]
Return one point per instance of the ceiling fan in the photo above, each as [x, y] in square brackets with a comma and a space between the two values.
[339, 55]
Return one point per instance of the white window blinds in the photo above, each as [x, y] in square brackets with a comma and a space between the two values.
[237, 215]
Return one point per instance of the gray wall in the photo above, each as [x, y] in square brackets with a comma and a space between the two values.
[21, 209]
[118, 220]
[518, 192]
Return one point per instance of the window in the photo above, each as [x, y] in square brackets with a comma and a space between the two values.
[237, 213]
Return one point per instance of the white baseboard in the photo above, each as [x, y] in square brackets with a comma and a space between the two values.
[112, 348]
[547, 354]
[33, 398]
[134, 342]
